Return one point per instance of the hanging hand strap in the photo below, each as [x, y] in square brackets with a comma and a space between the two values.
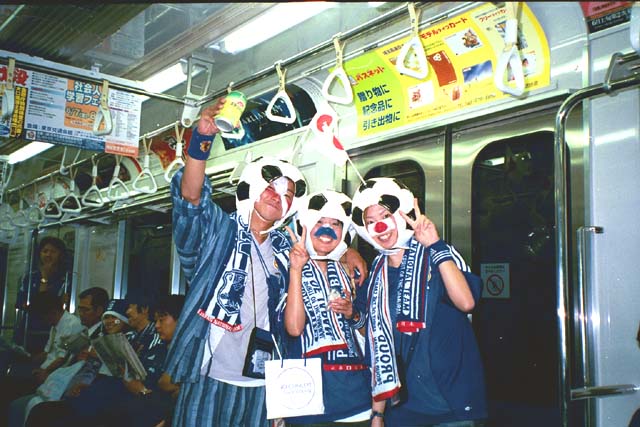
[71, 203]
[8, 93]
[340, 75]
[282, 94]
[177, 162]
[510, 56]
[103, 114]
[413, 47]
[63, 169]
[145, 173]
[92, 197]
[52, 208]
[34, 213]
[20, 219]
[116, 182]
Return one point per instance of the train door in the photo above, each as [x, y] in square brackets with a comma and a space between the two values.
[503, 216]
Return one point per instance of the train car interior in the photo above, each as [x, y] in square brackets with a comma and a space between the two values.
[520, 142]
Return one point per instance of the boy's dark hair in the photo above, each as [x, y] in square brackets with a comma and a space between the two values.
[53, 241]
[171, 305]
[45, 303]
[142, 299]
[99, 297]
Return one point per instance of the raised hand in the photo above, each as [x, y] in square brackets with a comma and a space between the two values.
[424, 230]
[206, 125]
[298, 256]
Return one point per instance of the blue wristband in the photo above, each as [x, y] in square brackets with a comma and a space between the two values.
[440, 252]
[200, 145]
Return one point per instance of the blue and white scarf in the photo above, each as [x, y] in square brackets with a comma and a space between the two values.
[411, 308]
[323, 331]
[223, 306]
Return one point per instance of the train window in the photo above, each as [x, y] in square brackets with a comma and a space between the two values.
[150, 254]
[512, 231]
[407, 172]
[257, 126]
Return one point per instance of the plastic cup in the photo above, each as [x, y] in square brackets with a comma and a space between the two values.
[230, 114]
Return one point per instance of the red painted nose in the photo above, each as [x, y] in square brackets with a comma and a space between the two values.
[380, 227]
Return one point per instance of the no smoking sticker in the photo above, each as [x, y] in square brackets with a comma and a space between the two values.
[495, 280]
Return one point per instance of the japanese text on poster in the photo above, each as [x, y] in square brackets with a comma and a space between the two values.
[62, 111]
[461, 53]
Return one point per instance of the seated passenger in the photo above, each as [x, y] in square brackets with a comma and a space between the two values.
[96, 401]
[91, 306]
[114, 321]
[323, 313]
[26, 377]
[151, 407]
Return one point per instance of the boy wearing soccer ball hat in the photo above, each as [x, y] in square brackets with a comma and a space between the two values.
[426, 366]
[237, 266]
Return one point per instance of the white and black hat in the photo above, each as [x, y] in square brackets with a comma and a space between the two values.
[257, 176]
[330, 204]
[395, 197]
[118, 309]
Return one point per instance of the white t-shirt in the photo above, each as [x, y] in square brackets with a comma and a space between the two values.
[67, 325]
[229, 355]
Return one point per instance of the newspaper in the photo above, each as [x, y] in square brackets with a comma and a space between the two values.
[119, 357]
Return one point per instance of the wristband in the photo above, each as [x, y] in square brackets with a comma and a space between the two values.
[376, 414]
[440, 252]
[200, 145]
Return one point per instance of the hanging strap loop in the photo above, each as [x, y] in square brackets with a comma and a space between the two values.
[34, 213]
[52, 208]
[145, 173]
[282, 94]
[103, 114]
[340, 75]
[8, 93]
[510, 56]
[116, 183]
[178, 162]
[413, 47]
[71, 203]
[20, 219]
[92, 197]
[63, 169]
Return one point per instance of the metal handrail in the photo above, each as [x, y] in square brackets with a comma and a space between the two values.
[562, 219]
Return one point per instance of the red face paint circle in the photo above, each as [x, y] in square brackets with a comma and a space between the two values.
[380, 227]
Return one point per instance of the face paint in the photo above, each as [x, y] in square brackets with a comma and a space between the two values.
[281, 185]
[381, 227]
[326, 230]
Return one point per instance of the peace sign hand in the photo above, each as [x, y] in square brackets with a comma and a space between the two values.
[424, 230]
[298, 256]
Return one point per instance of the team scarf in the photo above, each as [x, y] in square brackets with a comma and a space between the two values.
[323, 330]
[223, 306]
[411, 309]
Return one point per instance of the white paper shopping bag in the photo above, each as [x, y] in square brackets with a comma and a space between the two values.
[293, 387]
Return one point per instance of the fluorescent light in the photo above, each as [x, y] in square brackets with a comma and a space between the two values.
[165, 79]
[271, 23]
[28, 151]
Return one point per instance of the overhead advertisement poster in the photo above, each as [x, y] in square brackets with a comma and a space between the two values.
[462, 53]
[63, 111]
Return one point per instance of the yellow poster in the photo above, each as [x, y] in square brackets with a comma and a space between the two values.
[462, 53]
